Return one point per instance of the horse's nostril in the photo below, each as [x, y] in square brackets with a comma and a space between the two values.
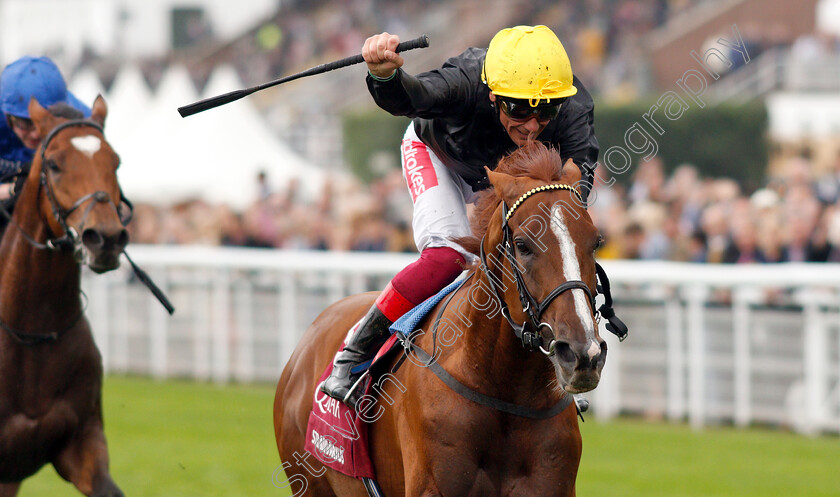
[598, 361]
[97, 240]
[595, 357]
[92, 239]
[564, 352]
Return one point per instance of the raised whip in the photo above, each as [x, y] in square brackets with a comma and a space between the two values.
[209, 103]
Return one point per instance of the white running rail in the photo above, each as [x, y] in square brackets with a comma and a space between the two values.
[708, 343]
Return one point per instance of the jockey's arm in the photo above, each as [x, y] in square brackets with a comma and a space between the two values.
[442, 92]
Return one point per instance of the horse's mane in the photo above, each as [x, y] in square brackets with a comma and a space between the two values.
[65, 110]
[534, 160]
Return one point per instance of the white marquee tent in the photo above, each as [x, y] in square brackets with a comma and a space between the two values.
[214, 155]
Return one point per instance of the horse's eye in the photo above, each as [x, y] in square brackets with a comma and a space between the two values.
[599, 243]
[522, 247]
[52, 165]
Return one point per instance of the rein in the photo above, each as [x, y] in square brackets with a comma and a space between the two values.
[430, 362]
[485, 400]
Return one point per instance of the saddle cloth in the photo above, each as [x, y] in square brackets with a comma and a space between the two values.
[336, 434]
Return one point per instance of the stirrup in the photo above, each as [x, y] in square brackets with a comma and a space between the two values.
[347, 400]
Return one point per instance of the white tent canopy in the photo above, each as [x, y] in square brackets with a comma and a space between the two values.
[128, 101]
[214, 155]
[86, 86]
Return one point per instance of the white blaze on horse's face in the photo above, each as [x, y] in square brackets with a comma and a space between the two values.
[87, 145]
[571, 271]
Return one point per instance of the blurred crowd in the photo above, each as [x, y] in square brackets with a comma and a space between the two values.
[607, 40]
[680, 216]
[794, 217]
[345, 215]
[302, 32]
[604, 38]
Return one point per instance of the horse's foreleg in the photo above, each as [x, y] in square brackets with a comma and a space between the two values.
[84, 463]
[9, 489]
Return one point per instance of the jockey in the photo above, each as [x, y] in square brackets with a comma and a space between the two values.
[21, 80]
[471, 112]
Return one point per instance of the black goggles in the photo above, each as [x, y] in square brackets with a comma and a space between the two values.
[521, 110]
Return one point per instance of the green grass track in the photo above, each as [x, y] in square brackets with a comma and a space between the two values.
[182, 439]
[186, 439]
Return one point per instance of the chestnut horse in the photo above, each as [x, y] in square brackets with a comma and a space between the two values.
[68, 214]
[511, 429]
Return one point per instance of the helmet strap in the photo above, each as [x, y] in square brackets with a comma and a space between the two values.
[498, 109]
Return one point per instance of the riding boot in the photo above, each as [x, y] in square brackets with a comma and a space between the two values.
[361, 346]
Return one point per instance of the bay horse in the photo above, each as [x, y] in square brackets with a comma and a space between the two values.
[502, 433]
[70, 212]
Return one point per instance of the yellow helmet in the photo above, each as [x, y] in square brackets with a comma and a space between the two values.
[528, 63]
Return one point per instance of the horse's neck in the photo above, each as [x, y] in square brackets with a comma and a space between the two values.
[31, 278]
[487, 348]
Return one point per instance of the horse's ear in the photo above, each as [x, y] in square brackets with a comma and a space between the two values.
[41, 117]
[571, 173]
[504, 184]
[99, 110]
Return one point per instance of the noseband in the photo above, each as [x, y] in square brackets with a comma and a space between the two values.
[530, 331]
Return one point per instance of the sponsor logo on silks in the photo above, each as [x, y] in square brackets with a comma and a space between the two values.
[419, 173]
[326, 446]
[326, 404]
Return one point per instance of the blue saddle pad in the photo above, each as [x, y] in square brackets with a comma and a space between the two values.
[408, 323]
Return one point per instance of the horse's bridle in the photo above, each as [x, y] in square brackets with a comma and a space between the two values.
[70, 239]
[530, 331]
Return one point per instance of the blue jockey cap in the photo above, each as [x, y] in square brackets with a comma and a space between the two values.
[37, 77]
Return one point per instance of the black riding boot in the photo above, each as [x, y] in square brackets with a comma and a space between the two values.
[362, 345]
